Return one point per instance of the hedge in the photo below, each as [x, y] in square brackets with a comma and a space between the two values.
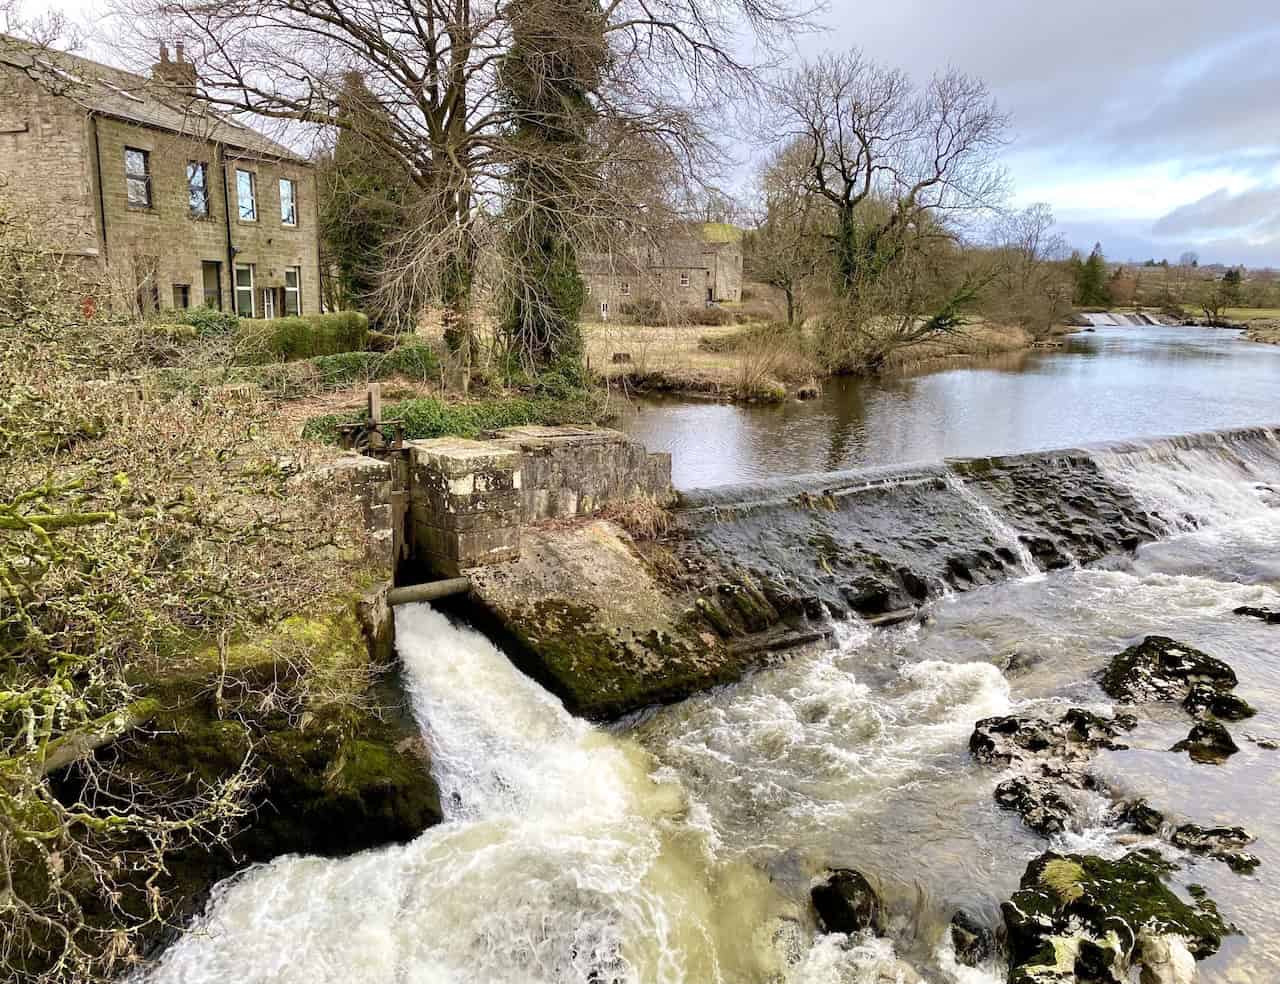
[301, 337]
[208, 321]
[429, 417]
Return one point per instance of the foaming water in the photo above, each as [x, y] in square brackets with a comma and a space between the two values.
[1005, 534]
[562, 859]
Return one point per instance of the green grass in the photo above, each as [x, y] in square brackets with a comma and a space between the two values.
[428, 417]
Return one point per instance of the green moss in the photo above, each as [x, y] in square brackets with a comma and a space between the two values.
[1063, 878]
[1089, 911]
[603, 674]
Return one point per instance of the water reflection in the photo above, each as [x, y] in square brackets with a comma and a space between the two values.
[1113, 384]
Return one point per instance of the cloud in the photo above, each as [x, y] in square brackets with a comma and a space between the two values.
[1255, 212]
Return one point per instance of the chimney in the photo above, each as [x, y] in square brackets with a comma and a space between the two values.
[179, 75]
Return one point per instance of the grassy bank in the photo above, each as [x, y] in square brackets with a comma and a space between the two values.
[427, 417]
[759, 361]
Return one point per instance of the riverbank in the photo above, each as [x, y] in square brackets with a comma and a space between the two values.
[759, 362]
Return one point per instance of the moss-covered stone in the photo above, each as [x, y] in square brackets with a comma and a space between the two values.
[1080, 917]
[339, 771]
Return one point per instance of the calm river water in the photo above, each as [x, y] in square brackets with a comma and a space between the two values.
[1110, 384]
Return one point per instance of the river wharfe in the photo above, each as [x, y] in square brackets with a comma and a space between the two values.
[680, 845]
[1105, 385]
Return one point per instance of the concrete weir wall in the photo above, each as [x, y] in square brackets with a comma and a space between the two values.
[469, 500]
[612, 623]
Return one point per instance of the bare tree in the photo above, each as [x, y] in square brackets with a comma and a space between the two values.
[786, 247]
[435, 67]
[1029, 287]
[873, 137]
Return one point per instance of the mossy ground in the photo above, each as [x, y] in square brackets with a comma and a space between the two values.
[338, 771]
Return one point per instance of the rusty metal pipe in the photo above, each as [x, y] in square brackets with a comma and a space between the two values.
[431, 591]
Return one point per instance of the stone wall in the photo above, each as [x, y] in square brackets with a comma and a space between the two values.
[45, 160]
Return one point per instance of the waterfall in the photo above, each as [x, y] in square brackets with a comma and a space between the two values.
[1003, 532]
[561, 859]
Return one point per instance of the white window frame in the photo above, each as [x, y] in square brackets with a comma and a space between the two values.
[296, 289]
[291, 221]
[625, 289]
[268, 303]
[239, 288]
[604, 310]
[588, 286]
[253, 196]
[684, 279]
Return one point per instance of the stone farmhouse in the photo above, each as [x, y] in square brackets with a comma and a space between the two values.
[161, 202]
[699, 265]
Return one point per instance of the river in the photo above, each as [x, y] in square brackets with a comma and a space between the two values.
[679, 847]
[1109, 384]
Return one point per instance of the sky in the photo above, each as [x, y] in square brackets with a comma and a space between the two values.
[1151, 126]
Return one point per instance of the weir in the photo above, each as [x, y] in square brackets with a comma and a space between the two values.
[612, 622]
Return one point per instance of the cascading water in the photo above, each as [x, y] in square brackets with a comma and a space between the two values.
[1003, 532]
[681, 847]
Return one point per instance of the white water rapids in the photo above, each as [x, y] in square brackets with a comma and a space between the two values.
[681, 850]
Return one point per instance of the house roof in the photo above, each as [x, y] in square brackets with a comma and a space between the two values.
[124, 95]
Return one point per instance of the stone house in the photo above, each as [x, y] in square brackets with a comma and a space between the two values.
[162, 202]
[697, 266]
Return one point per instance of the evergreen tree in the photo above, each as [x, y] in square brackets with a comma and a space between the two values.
[1091, 289]
[363, 194]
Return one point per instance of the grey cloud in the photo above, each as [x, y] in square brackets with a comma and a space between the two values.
[1256, 210]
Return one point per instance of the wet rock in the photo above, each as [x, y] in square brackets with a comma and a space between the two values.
[1228, 707]
[846, 903]
[1208, 743]
[1270, 744]
[1141, 816]
[1159, 668]
[1165, 959]
[1038, 802]
[1221, 843]
[1266, 614]
[1012, 739]
[973, 942]
[1085, 918]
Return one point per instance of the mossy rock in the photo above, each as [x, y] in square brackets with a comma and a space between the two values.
[1080, 917]
[602, 673]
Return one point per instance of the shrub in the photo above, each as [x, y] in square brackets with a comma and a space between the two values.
[301, 337]
[415, 360]
[209, 321]
[647, 312]
[707, 316]
[429, 417]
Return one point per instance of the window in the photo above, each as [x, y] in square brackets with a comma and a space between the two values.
[211, 283]
[293, 291]
[626, 289]
[288, 202]
[268, 303]
[182, 296]
[588, 286]
[684, 279]
[247, 195]
[198, 189]
[245, 306]
[137, 177]
[604, 310]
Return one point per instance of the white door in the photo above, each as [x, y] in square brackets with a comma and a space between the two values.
[604, 310]
[269, 303]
